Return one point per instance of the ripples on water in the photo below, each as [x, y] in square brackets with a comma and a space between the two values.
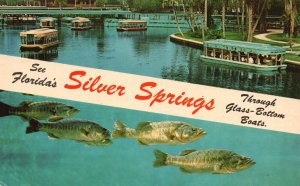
[150, 53]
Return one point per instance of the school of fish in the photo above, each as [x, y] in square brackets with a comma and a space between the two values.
[216, 161]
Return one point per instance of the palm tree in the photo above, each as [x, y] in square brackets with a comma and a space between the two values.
[205, 14]
[176, 18]
[291, 14]
[261, 5]
[224, 4]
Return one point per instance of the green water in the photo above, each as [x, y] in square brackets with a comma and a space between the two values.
[33, 159]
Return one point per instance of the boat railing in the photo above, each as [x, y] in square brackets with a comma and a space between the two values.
[245, 57]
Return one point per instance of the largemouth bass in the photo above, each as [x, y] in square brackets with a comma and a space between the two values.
[166, 132]
[216, 161]
[44, 110]
[82, 131]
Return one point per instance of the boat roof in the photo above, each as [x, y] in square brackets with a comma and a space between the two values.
[243, 46]
[131, 21]
[68, 18]
[39, 32]
[80, 19]
[47, 18]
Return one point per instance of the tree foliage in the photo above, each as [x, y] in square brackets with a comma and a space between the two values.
[101, 2]
[147, 5]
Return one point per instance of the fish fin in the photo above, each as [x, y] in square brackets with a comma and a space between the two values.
[4, 109]
[186, 152]
[55, 118]
[120, 130]
[106, 142]
[33, 126]
[184, 170]
[84, 132]
[97, 143]
[25, 103]
[171, 136]
[217, 168]
[24, 118]
[52, 136]
[161, 158]
[141, 143]
[144, 125]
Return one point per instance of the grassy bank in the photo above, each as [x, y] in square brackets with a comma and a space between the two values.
[282, 37]
[292, 57]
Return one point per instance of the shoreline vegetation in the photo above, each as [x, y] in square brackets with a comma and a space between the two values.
[292, 54]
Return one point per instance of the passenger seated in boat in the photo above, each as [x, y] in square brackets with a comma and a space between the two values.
[251, 61]
[261, 59]
[273, 60]
[279, 59]
[258, 62]
[254, 59]
[243, 59]
[234, 58]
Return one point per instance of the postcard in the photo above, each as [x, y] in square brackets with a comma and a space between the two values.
[102, 94]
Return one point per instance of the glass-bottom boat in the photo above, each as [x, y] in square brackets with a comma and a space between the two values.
[132, 25]
[254, 56]
[39, 39]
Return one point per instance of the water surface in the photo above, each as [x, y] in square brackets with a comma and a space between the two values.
[33, 159]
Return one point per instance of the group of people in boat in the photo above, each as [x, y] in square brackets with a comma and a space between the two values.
[250, 58]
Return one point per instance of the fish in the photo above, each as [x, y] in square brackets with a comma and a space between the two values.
[43, 110]
[82, 131]
[216, 161]
[165, 132]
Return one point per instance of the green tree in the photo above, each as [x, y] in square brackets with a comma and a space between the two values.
[147, 5]
[101, 2]
[60, 2]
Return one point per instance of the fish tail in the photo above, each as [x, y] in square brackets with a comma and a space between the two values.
[4, 109]
[121, 130]
[34, 126]
[161, 158]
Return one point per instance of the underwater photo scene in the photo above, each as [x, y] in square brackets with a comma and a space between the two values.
[47, 141]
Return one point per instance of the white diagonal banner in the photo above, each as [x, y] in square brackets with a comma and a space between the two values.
[149, 94]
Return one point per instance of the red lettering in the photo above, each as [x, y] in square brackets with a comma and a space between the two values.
[111, 89]
[159, 97]
[101, 88]
[84, 87]
[93, 85]
[177, 102]
[210, 105]
[71, 77]
[143, 88]
[121, 90]
[198, 104]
